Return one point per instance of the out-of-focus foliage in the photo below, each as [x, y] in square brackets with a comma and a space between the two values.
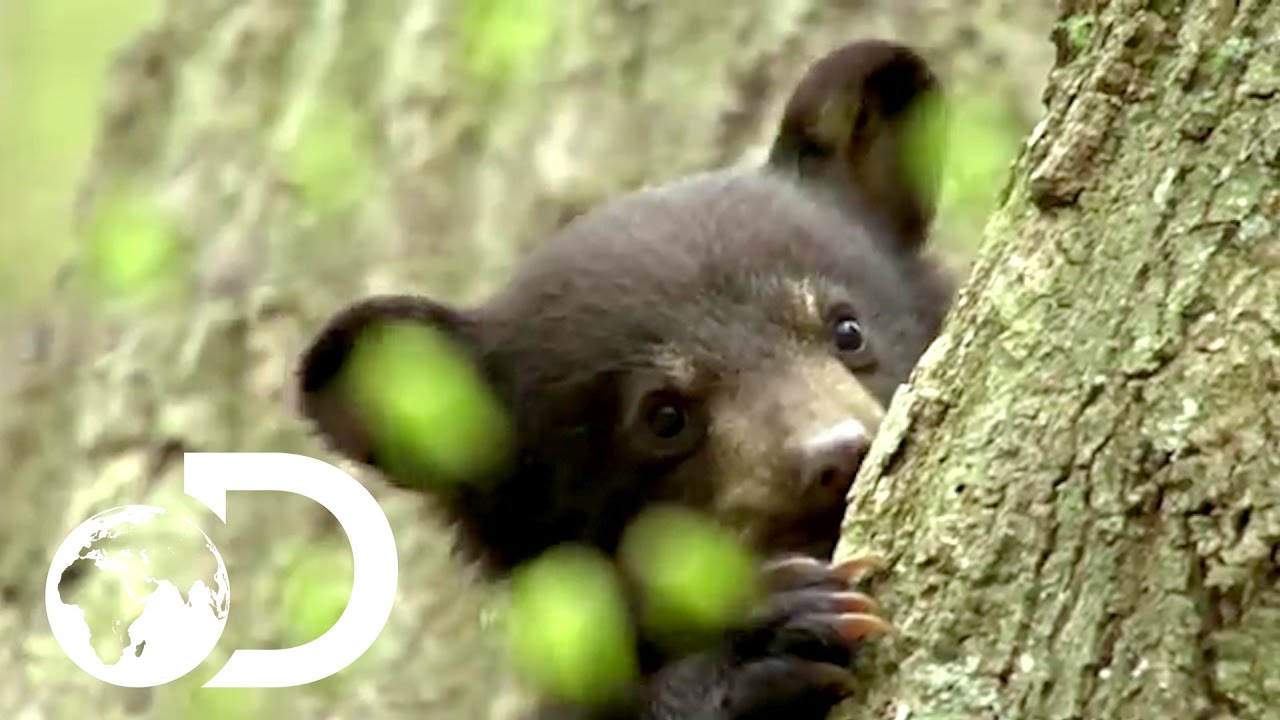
[429, 412]
[982, 139]
[978, 136]
[132, 249]
[697, 576]
[329, 162]
[186, 699]
[316, 587]
[502, 38]
[53, 56]
[568, 622]
[568, 625]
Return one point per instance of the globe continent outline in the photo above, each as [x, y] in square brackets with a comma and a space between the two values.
[155, 663]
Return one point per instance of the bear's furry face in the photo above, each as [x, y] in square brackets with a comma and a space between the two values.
[728, 341]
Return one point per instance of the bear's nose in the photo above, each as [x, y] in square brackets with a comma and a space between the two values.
[831, 458]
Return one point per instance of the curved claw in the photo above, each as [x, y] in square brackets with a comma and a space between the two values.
[856, 627]
[855, 602]
[793, 565]
[831, 677]
[857, 566]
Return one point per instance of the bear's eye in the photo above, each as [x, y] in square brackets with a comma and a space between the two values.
[848, 334]
[666, 419]
[662, 423]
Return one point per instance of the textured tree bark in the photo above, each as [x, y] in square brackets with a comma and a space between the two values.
[1080, 491]
[459, 150]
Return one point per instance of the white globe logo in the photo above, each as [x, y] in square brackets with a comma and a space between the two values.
[169, 629]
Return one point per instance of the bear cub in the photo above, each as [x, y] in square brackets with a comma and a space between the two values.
[727, 342]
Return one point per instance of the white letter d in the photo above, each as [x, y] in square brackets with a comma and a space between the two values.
[209, 476]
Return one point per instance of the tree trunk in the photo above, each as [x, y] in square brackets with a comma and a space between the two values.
[303, 153]
[1080, 491]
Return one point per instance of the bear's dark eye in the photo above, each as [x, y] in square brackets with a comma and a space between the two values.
[666, 420]
[848, 334]
[662, 423]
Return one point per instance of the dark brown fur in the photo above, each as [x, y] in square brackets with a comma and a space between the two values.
[718, 291]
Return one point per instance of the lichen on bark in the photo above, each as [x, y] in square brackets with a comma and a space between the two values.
[1079, 489]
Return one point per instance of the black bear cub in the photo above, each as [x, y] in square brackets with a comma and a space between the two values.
[727, 342]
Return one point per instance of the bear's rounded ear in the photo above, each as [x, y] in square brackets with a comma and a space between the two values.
[865, 125]
[334, 395]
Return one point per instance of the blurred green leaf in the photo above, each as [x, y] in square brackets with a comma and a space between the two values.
[977, 138]
[315, 593]
[133, 248]
[569, 627]
[220, 703]
[200, 703]
[984, 141]
[697, 576]
[430, 411]
[501, 40]
[927, 136]
[329, 162]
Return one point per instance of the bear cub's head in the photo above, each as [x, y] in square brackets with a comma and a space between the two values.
[728, 341]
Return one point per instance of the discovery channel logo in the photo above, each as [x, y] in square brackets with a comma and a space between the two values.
[178, 627]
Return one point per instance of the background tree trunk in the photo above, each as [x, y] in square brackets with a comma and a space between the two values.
[1080, 493]
[303, 153]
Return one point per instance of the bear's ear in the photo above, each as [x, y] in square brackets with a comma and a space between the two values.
[864, 124]
[348, 416]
